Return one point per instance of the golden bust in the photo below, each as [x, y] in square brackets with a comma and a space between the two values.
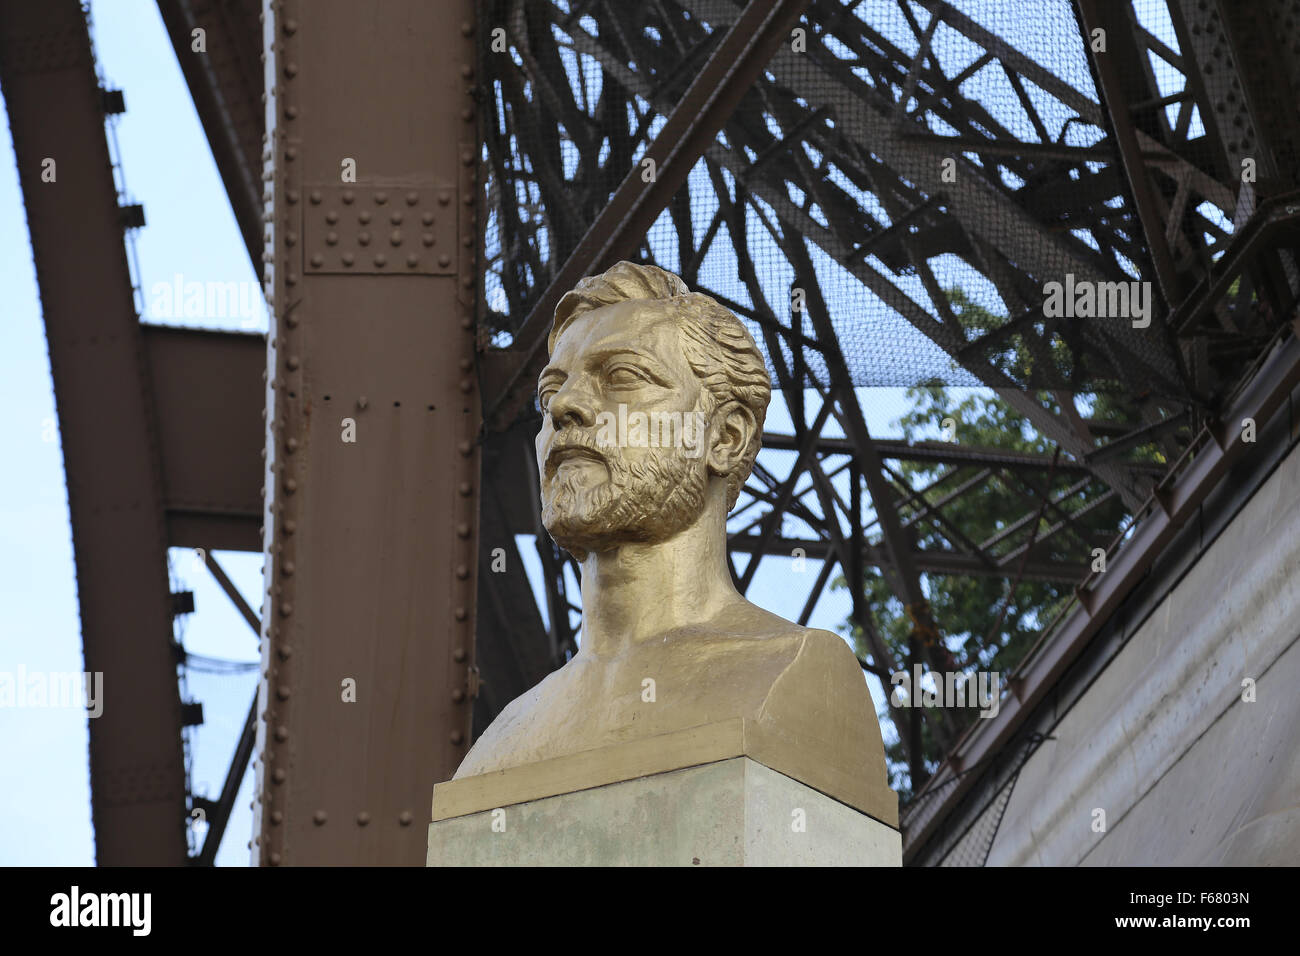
[653, 405]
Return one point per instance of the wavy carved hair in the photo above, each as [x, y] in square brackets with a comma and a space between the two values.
[717, 346]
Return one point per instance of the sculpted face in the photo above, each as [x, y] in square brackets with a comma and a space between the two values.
[603, 485]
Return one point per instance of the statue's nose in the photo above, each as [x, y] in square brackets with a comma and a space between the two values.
[571, 404]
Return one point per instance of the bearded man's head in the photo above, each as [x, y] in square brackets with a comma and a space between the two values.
[635, 341]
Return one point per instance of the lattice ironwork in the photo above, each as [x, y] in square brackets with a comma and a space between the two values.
[886, 207]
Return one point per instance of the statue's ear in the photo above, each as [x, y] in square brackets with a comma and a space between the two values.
[733, 426]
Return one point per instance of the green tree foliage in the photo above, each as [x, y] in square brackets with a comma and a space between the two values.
[983, 624]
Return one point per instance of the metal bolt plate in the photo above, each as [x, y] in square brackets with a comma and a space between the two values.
[375, 229]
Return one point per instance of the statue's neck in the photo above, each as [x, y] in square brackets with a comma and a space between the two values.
[639, 592]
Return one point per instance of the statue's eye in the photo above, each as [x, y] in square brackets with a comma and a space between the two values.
[626, 375]
[544, 397]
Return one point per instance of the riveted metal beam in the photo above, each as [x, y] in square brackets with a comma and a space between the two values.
[218, 45]
[372, 464]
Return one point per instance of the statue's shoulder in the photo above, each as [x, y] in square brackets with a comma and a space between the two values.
[510, 727]
[831, 649]
[823, 685]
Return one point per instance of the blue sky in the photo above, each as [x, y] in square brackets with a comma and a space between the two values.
[45, 797]
[167, 166]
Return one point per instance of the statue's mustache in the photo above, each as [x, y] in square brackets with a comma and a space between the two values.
[571, 442]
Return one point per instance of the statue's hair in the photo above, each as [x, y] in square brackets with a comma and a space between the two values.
[717, 345]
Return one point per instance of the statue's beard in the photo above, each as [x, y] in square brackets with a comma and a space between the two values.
[590, 509]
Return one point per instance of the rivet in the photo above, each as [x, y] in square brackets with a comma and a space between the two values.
[467, 158]
[278, 775]
[286, 608]
[427, 219]
[444, 260]
[466, 322]
[291, 112]
[291, 320]
[381, 261]
[290, 238]
[348, 196]
[363, 217]
[412, 198]
[282, 692]
[467, 281]
[467, 28]
[395, 218]
[458, 655]
[466, 364]
[291, 195]
[285, 651]
[291, 153]
[292, 360]
[467, 113]
[362, 402]
[465, 449]
[332, 217]
[282, 733]
[317, 260]
[462, 530]
[412, 260]
[462, 571]
[290, 26]
[466, 489]
[348, 258]
[444, 197]
[291, 278]
[331, 238]
[460, 613]
[469, 199]
[405, 818]
[395, 237]
[290, 527]
[315, 197]
[466, 70]
[457, 695]
[457, 737]
[381, 198]
[290, 485]
[363, 818]
[427, 239]
[467, 241]
[291, 69]
[277, 817]
[319, 818]
[275, 859]
[363, 238]
[466, 385]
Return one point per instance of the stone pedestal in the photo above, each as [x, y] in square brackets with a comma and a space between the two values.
[732, 810]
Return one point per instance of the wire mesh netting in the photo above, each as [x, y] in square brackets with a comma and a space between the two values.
[920, 172]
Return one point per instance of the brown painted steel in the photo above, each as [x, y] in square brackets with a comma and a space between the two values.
[207, 391]
[1118, 84]
[110, 440]
[370, 545]
[225, 82]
